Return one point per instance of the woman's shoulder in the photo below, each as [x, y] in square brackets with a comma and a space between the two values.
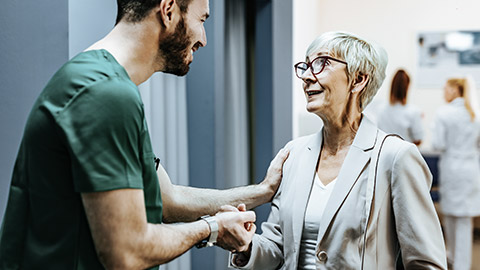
[301, 145]
[412, 110]
[395, 148]
[302, 141]
[446, 109]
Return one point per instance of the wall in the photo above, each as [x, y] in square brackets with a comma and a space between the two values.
[282, 77]
[205, 114]
[86, 24]
[37, 37]
[272, 107]
[207, 106]
[34, 44]
[393, 24]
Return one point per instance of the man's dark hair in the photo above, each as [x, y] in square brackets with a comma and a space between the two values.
[137, 10]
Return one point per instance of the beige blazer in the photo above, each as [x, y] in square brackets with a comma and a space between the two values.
[402, 216]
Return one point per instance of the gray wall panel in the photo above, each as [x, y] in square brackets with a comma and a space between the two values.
[202, 88]
[33, 44]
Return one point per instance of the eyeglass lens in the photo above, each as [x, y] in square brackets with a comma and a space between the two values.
[317, 66]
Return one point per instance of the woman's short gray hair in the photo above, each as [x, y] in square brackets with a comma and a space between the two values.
[363, 58]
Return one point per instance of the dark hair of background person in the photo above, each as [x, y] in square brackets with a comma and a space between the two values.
[137, 10]
[399, 89]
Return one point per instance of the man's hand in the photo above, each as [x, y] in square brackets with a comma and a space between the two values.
[240, 208]
[235, 228]
[274, 173]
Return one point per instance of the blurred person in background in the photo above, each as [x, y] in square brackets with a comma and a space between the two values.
[398, 117]
[456, 133]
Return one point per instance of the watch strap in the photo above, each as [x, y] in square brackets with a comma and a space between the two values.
[212, 238]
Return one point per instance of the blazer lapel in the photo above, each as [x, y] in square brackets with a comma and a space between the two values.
[355, 162]
[303, 185]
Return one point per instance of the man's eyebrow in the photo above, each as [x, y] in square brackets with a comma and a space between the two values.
[206, 15]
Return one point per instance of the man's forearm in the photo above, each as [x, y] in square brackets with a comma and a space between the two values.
[189, 203]
[182, 203]
[124, 240]
[169, 240]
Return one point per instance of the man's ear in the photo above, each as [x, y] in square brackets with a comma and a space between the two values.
[360, 82]
[166, 12]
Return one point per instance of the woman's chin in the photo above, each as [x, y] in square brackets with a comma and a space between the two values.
[312, 108]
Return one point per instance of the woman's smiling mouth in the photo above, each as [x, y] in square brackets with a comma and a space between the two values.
[313, 92]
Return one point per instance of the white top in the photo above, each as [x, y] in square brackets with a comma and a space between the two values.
[457, 137]
[316, 206]
[403, 120]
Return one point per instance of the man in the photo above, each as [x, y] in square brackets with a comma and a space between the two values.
[85, 193]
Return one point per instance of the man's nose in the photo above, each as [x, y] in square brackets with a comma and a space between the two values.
[203, 38]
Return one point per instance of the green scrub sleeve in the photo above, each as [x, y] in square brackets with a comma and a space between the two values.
[102, 125]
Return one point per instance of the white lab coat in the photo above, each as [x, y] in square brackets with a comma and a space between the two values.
[403, 120]
[457, 137]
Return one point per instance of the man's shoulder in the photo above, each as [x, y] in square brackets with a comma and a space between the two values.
[87, 86]
[92, 67]
[92, 74]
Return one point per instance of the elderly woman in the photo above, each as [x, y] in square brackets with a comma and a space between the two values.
[351, 196]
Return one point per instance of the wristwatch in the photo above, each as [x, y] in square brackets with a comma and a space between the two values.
[212, 238]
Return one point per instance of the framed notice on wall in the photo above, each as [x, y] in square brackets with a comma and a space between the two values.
[442, 55]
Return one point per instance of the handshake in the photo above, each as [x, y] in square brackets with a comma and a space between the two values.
[232, 229]
[235, 228]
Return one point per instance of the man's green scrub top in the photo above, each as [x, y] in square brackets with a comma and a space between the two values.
[86, 133]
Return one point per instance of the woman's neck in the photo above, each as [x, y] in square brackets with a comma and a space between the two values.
[338, 134]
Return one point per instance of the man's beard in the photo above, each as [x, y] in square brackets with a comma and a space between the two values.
[174, 50]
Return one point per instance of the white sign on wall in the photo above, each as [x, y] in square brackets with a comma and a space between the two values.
[442, 55]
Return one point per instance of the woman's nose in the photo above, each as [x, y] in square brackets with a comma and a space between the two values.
[308, 76]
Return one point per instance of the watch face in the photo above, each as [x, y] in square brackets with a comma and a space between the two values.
[201, 244]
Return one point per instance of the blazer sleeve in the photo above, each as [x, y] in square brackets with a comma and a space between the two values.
[417, 224]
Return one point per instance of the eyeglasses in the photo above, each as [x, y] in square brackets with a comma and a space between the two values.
[316, 65]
